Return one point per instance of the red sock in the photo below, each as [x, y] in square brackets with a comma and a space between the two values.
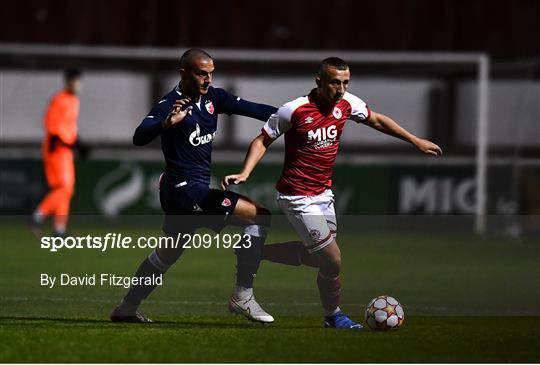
[329, 291]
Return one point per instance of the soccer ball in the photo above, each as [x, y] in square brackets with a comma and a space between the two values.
[384, 313]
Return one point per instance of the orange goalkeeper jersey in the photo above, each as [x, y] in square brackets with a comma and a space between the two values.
[61, 119]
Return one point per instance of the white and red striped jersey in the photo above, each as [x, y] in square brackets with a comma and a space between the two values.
[311, 141]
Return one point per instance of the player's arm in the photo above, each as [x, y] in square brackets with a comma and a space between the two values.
[158, 121]
[253, 110]
[387, 125]
[255, 153]
[55, 124]
[59, 136]
[277, 124]
[231, 104]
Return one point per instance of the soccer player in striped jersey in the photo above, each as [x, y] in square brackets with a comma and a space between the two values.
[312, 126]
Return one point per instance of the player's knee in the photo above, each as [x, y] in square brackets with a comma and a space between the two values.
[66, 189]
[69, 191]
[169, 255]
[330, 264]
[333, 266]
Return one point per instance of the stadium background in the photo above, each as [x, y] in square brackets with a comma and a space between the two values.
[407, 220]
[436, 100]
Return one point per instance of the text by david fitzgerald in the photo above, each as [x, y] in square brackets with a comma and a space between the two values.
[105, 279]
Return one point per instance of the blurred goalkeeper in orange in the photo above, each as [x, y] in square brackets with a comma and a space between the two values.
[60, 124]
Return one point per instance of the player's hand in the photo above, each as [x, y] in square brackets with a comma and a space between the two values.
[428, 147]
[233, 179]
[54, 143]
[178, 112]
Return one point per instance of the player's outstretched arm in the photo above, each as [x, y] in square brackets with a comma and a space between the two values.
[256, 151]
[158, 120]
[231, 104]
[254, 110]
[387, 125]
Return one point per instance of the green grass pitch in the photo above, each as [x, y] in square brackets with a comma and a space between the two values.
[465, 300]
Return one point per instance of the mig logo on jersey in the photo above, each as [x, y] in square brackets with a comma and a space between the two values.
[196, 139]
[322, 137]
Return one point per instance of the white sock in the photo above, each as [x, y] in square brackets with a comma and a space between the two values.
[60, 229]
[328, 313]
[242, 293]
[38, 216]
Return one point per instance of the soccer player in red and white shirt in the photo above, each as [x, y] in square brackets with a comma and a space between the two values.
[312, 126]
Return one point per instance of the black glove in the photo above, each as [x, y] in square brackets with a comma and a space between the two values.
[54, 143]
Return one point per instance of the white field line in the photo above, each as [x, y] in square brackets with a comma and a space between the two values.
[417, 309]
[108, 301]
[192, 302]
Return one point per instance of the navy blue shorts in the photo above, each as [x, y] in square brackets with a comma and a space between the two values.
[189, 205]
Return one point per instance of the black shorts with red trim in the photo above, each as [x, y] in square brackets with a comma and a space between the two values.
[189, 205]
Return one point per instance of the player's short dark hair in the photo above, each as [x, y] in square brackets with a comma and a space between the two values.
[334, 62]
[72, 73]
[189, 56]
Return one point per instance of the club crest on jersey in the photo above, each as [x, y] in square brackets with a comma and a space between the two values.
[196, 139]
[226, 202]
[209, 106]
[315, 234]
[337, 113]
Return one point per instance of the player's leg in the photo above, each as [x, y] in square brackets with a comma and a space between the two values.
[61, 215]
[46, 207]
[328, 259]
[158, 261]
[314, 220]
[155, 265]
[329, 262]
[255, 220]
[48, 204]
[322, 250]
[294, 253]
[67, 179]
[307, 216]
[329, 285]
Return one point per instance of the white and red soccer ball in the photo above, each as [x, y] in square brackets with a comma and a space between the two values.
[384, 313]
